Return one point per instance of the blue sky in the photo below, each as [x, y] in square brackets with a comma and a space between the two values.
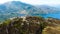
[36, 2]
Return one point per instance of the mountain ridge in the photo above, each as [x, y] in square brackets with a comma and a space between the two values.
[17, 8]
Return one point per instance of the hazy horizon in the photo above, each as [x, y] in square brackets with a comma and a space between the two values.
[36, 2]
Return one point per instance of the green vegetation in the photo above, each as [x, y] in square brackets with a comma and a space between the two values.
[30, 25]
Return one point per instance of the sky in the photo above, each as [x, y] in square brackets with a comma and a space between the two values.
[35, 2]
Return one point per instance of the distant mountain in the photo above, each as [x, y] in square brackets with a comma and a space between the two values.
[14, 9]
[48, 9]
[57, 6]
[17, 8]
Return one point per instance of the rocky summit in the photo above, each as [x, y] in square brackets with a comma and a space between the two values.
[30, 25]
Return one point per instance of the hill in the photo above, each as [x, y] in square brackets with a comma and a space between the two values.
[30, 25]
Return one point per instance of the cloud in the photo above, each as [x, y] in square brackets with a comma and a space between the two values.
[3, 1]
[36, 2]
[42, 1]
